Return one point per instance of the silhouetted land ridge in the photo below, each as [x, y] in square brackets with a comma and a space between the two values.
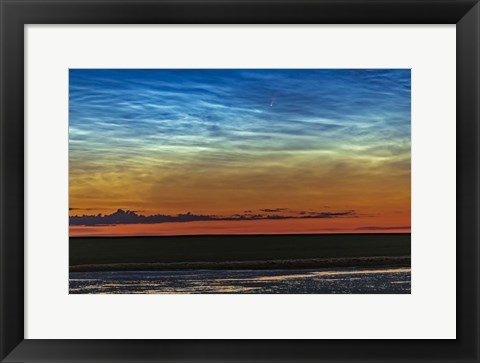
[239, 251]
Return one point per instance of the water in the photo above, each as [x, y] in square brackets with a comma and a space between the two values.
[301, 281]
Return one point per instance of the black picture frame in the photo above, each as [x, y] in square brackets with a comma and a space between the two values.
[17, 13]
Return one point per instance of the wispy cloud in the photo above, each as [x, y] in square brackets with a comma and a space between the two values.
[117, 115]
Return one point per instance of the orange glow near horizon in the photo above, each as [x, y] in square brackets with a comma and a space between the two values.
[227, 227]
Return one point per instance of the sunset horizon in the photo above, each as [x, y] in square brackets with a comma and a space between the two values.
[93, 225]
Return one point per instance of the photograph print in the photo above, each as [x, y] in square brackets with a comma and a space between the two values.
[229, 181]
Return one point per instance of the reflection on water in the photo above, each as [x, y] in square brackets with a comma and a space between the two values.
[311, 281]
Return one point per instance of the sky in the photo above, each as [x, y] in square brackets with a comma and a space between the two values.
[239, 151]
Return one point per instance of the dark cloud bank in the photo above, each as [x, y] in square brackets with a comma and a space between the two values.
[131, 217]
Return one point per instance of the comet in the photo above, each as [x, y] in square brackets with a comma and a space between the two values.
[273, 100]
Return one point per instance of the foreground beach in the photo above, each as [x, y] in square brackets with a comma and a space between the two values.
[393, 280]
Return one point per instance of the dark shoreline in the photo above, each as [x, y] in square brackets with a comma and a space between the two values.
[377, 262]
[239, 252]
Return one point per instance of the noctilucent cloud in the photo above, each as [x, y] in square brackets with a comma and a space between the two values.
[239, 151]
